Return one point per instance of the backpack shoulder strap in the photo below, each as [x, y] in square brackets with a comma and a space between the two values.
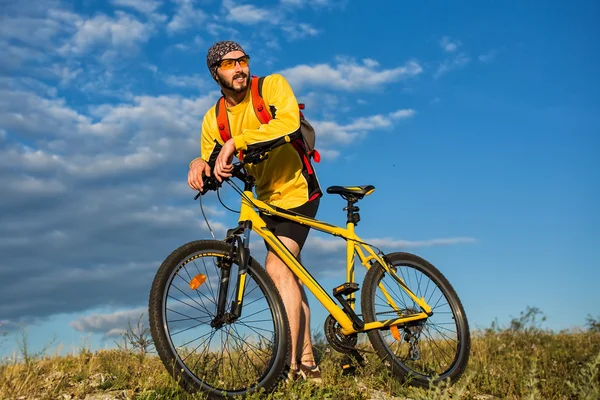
[260, 109]
[222, 120]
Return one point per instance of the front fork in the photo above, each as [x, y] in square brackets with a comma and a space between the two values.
[239, 239]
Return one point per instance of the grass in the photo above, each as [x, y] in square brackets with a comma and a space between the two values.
[522, 361]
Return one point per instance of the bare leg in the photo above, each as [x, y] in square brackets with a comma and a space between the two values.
[294, 300]
[306, 355]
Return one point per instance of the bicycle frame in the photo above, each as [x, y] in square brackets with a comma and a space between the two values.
[355, 246]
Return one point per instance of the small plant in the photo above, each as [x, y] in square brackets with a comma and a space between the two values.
[528, 322]
[137, 340]
[593, 324]
[532, 381]
[586, 387]
[23, 345]
[3, 335]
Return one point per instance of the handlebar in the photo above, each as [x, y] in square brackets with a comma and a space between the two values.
[254, 157]
[211, 183]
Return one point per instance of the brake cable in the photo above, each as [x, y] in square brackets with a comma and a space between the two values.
[206, 219]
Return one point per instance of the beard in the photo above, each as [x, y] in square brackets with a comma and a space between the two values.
[230, 86]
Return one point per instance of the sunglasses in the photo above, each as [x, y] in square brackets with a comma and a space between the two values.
[229, 63]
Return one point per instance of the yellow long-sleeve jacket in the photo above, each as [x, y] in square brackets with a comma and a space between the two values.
[286, 178]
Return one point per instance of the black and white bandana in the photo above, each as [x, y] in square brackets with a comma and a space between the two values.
[216, 53]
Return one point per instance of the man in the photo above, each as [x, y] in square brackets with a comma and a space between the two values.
[285, 179]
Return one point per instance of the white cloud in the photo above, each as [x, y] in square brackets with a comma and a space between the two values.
[371, 63]
[379, 121]
[65, 73]
[25, 185]
[153, 118]
[196, 44]
[123, 31]
[323, 244]
[112, 324]
[327, 253]
[35, 116]
[457, 62]
[407, 113]
[14, 57]
[186, 81]
[488, 57]
[349, 75]
[147, 131]
[30, 160]
[304, 3]
[449, 45]
[395, 243]
[299, 31]
[143, 6]
[28, 84]
[320, 100]
[38, 29]
[329, 154]
[220, 30]
[248, 14]
[333, 133]
[186, 16]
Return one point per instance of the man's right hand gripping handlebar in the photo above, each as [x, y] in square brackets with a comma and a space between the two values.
[202, 176]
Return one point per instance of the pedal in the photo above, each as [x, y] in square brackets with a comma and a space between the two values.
[345, 289]
[339, 293]
[351, 362]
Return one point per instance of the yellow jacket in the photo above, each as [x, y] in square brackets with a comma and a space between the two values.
[286, 178]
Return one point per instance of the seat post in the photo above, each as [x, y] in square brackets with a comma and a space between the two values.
[353, 215]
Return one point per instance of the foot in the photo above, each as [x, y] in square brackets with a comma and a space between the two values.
[310, 373]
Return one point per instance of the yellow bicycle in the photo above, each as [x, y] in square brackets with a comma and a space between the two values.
[219, 324]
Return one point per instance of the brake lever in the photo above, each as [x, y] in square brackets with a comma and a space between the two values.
[210, 183]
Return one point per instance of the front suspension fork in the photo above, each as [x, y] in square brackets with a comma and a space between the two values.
[239, 239]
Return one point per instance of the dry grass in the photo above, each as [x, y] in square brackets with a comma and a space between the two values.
[520, 362]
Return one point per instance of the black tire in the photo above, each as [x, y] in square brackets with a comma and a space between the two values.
[236, 359]
[443, 340]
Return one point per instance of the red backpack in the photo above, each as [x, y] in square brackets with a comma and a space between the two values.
[264, 116]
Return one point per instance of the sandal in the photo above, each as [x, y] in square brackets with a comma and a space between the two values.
[311, 374]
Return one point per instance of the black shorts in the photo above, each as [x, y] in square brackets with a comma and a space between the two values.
[290, 229]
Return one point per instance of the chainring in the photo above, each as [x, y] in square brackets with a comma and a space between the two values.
[339, 342]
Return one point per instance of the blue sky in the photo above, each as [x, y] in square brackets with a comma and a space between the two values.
[478, 125]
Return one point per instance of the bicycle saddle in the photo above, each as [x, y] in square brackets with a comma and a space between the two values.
[356, 191]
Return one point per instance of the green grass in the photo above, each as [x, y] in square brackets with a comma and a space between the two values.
[519, 362]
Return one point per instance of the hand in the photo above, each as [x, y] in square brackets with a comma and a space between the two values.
[198, 170]
[223, 165]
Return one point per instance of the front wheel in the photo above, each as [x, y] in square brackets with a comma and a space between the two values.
[433, 349]
[224, 357]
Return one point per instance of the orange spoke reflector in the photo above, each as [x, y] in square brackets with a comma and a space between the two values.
[395, 332]
[197, 281]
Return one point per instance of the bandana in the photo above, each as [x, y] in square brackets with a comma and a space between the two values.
[216, 53]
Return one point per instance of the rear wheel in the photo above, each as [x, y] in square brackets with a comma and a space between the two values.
[225, 359]
[433, 349]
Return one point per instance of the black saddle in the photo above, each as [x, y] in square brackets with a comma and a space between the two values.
[358, 192]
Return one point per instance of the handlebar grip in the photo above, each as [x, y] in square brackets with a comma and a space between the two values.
[208, 184]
